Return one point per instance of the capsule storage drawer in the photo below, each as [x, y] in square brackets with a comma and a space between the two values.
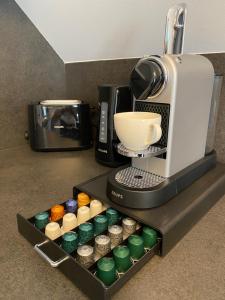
[84, 278]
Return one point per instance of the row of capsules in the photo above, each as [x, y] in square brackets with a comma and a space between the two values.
[126, 250]
[104, 234]
[63, 218]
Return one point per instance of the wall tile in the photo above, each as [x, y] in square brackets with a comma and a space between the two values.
[83, 78]
[30, 71]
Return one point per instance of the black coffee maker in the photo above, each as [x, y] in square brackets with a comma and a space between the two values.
[112, 99]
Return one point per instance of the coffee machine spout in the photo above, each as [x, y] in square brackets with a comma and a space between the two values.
[174, 33]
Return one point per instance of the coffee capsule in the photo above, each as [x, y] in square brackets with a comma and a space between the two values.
[95, 207]
[136, 246]
[100, 224]
[106, 270]
[102, 245]
[83, 199]
[129, 226]
[116, 235]
[83, 214]
[70, 241]
[41, 220]
[86, 232]
[57, 212]
[52, 230]
[149, 236]
[69, 222]
[71, 206]
[85, 255]
[112, 215]
[122, 259]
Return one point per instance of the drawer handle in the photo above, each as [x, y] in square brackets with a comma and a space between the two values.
[54, 264]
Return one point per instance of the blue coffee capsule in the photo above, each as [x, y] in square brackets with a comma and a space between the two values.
[71, 206]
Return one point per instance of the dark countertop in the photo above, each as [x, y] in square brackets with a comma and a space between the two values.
[31, 182]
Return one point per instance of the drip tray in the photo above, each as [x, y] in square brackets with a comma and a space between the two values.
[135, 178]
[151, 151]
[135, 188]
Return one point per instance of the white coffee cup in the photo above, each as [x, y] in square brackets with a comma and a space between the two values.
[138, 130]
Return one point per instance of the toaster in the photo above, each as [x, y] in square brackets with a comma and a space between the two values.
[56, 125]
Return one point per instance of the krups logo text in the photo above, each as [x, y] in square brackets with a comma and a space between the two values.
[118, 195]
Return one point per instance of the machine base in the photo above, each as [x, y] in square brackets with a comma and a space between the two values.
[143, 198]
[176, 217]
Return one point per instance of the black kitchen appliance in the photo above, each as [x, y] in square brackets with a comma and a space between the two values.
[59, 125]
[112, 99]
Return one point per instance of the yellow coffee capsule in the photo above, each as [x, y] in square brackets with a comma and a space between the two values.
[83, 199]
[57, 212]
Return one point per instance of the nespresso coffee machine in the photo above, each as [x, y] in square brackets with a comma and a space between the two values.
[179, 87]
[112, 99]
[173, 183]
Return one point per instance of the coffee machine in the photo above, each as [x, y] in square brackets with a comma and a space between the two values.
[179, 87]
[174, 182]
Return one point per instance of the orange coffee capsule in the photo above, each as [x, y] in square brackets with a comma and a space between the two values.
[83, 199]
[57, 212]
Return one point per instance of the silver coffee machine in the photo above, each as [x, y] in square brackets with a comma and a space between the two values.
[179, 87]
[181, 167]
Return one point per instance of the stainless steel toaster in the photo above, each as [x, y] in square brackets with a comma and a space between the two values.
[59, 125]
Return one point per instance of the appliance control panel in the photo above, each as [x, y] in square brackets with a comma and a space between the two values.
[103, 123]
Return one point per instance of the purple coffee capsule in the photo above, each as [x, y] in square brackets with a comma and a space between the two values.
[71, 206]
